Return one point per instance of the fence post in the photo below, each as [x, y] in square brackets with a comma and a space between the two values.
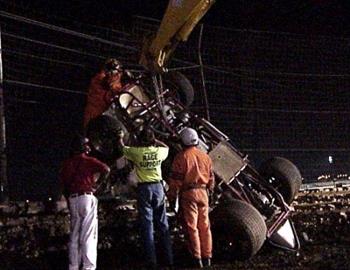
[3, 157]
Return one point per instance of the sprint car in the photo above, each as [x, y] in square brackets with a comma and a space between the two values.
[250, 206]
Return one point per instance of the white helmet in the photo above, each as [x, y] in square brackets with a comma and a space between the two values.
[189, 136]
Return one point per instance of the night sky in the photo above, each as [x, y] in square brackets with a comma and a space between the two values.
[330, 17]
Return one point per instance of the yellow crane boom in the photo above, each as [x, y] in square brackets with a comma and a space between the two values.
[180, 18]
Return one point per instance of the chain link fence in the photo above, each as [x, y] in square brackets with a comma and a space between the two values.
[271, 93]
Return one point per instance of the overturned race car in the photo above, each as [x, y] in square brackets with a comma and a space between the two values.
[251, 206]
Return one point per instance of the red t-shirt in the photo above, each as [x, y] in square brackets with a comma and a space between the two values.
[77, 173]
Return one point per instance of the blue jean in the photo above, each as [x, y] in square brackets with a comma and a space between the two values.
[151, 207]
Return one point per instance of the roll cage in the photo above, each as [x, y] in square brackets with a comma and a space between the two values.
[234, 174]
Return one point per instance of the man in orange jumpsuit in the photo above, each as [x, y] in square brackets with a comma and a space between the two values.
[191, 179]
[103, 87]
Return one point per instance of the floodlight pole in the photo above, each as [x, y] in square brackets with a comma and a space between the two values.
[3, 157]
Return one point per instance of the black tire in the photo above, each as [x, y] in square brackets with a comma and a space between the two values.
[181, 85]
[101, 132]
[283, 175]
[239, 230]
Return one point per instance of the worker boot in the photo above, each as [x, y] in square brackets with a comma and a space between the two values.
[206, 262]
[197, 263]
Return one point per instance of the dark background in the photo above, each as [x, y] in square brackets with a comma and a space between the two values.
[325, 17]
[266, 78]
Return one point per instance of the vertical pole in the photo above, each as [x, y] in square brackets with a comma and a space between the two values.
[204, 89]
[3, 158]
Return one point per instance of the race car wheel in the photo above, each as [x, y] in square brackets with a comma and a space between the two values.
[102, 133]
[283, 175]
[239, 230]
[181, 86]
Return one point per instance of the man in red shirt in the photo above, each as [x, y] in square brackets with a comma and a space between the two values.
[78, 177]
[191, 178]
[103, 87]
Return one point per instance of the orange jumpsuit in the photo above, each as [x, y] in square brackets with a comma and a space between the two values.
[191, 176]
[101, 91]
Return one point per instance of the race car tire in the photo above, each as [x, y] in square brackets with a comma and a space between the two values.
[102, 133]
[239, 230]
[182, 86]
[283, 175]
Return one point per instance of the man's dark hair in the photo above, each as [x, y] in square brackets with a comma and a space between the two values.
[147, 137]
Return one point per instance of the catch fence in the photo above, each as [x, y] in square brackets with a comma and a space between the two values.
[271, 93]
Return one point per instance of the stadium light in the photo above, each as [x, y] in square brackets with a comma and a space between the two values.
[330, 159]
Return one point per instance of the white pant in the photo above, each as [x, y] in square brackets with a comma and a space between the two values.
[83, 232]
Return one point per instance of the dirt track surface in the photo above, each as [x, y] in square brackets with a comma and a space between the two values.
[38, 241]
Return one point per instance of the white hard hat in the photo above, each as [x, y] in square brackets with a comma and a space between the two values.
[189, 136]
